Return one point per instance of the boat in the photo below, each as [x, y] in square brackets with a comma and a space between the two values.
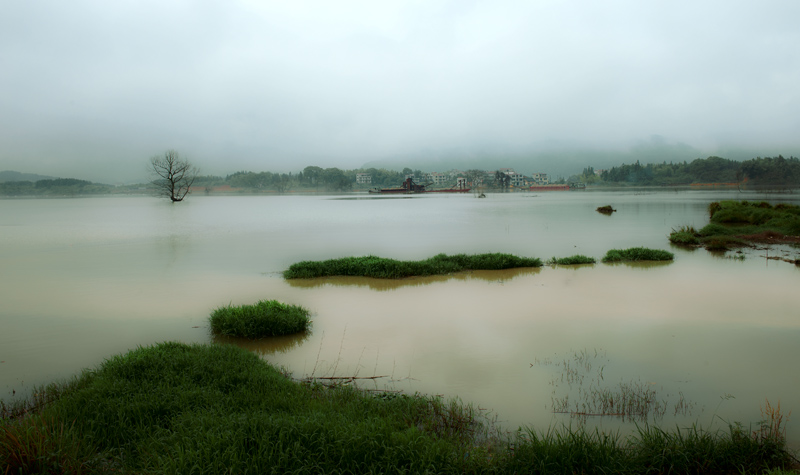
[409, 187]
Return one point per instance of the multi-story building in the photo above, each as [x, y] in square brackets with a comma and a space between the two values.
[363, 178]
[539, 178]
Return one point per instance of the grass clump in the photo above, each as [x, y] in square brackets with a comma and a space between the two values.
[382, 268]
[685, 235]
[571, 260]
[265, 318]
[177, 408]
[637, 254]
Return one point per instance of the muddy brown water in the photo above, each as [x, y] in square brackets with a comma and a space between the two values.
[712, 336]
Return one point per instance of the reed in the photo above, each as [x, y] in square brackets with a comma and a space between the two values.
[637, 254]
[263, 319]
[383, 268]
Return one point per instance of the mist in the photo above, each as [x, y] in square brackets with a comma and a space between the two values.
[93, 89]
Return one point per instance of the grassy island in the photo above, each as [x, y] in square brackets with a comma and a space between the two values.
[571, 260]
[265, 318]
[382, 268]
[634, 254]
[177, 408]
[740, 223]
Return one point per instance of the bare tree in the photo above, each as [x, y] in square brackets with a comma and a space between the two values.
[173, 175]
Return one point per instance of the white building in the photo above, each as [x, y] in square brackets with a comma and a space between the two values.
[363, 178]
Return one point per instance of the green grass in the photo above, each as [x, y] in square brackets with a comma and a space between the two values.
[177, 408]
[382, 268]
[637, 254]
[265, 318]
[685, 235]
[738, 223]
[571, 260]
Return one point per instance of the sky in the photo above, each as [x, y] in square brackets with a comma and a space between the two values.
[93, 89]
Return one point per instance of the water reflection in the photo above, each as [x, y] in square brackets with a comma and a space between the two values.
[641, 264]
[494, 276]
[265, 346]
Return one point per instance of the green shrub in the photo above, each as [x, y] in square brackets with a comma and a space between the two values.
[637, 254]
[382, 268]
[265, 318]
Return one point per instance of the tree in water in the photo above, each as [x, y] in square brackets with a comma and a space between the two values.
[173, 175]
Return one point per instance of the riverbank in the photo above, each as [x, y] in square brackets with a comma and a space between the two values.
[176, 408]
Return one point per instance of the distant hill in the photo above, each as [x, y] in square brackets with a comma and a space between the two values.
[9, 175]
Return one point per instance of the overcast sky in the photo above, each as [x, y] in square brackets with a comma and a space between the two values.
[92, 89]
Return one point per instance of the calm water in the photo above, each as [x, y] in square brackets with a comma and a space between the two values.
[710, 337]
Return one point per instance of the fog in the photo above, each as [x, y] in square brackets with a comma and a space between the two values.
[92, 89]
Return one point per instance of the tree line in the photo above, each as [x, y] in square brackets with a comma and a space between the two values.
[777, 172]
[769, 171]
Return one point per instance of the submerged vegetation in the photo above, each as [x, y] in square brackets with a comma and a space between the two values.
[177, 408]
[571, 260]
[637, 254]
[739, 223]
[382, 268]
[263, 319]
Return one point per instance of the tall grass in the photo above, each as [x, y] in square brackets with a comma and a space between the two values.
[263, 319]
[637, 254]
[176, 408]
[650, 450]
[382, 268]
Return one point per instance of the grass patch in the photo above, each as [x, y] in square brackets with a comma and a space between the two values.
[685, 235]
[177, 408]
[738, 223]
[263, 319]
[571, 260]
[382, 268]
[637, 254]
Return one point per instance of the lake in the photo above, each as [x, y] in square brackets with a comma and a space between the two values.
[708, 338]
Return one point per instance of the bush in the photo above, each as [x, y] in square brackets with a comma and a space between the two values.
[637, 254]
[266, 318]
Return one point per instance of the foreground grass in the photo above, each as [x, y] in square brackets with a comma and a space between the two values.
[382, 268]
[263, 319]
[739, 223]
[176, 408]
[637, 254]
